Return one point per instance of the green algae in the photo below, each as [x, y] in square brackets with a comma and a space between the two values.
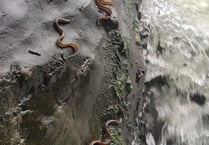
[122, 80]
[120, 84]
[116, 133]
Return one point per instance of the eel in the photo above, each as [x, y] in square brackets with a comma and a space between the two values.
[99, 142]
[62, 35]
[106, 130]
[106, 3]
[103, 8]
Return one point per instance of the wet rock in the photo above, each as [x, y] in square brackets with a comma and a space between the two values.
[47, 98]
[198, 98]
[139, 74]
[159, 49]
[26, 72]
[109, 24]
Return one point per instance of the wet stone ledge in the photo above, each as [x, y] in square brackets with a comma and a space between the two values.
[31, 96]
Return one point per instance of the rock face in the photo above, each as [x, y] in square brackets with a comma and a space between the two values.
[45, 99]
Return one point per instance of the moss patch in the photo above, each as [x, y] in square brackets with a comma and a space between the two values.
[116, 133]
[122, 83]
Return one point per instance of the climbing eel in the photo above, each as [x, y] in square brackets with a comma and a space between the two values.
[106, 3]
[62, 35]
[106, 130]
[99, 4]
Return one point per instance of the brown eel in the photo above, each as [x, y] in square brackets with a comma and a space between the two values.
[62, 35]
[106, 130]
[99, 4]
[106, 3]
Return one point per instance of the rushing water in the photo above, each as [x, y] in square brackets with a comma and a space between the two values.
[177, 79]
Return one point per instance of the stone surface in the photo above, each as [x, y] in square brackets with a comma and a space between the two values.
[46, 100]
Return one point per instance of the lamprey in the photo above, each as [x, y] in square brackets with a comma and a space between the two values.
[106, 130]
[62, 35]
[106, 3]
[99, 4]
